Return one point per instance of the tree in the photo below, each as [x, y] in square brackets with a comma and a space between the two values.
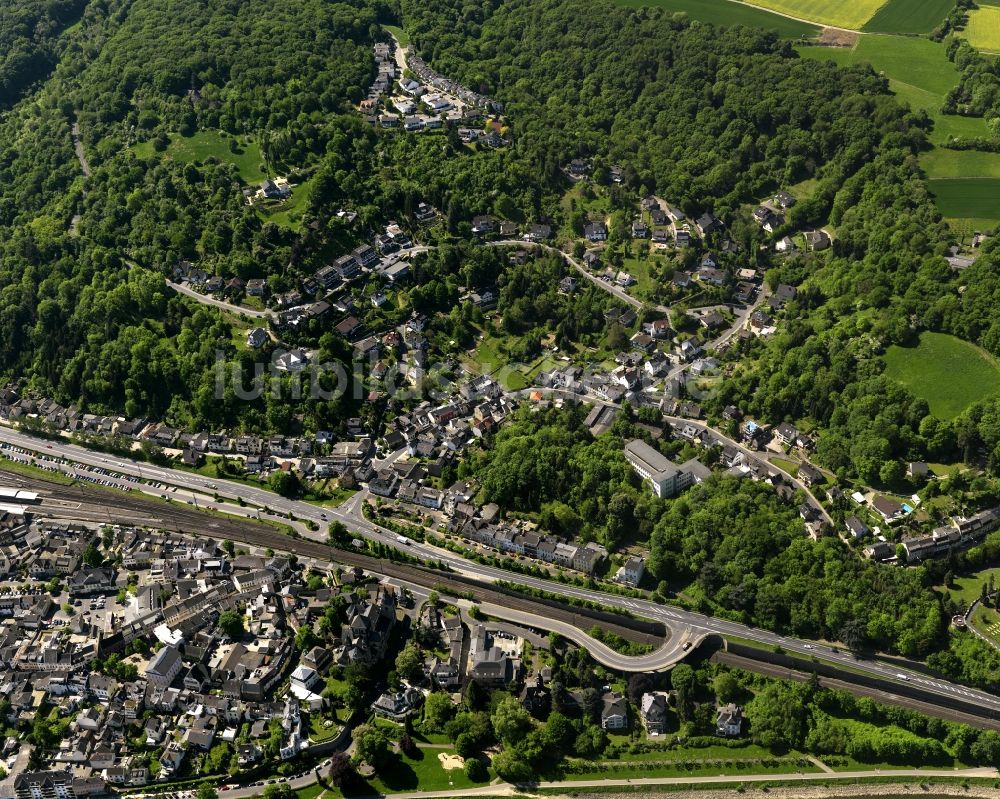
[558, 732]
[216, 759]
[511, 721]
[371, 745]
[305, 638]
[438, 711]
[727, 687]
[207, 791]
[410, 662]
[284, 482]
[591, 741]
[854, 635]
[92, 555]
[476, 770]
[640, 683]
[341, 770]
[281, 790]
[231, 624]
[777, 717]
[682, 679]
[466, 745]
[511, 766]
[591, 704]
[407, 745]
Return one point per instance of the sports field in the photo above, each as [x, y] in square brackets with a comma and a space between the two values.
[909, 16]
[728, 12]
[983, 30]
[851, 14]
[949, 373]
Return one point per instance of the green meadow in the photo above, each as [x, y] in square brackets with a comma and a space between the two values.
[949, 373]
[211, 143]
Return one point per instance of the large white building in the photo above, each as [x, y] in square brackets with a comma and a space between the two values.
[665, 476]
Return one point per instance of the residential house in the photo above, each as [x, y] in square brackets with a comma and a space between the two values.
[857, 528]
[817, 240]
[787, 434]
[595, 231]
[632, 572]
[888, 509]
[398, 706]
[614, 711]
[653, 709]
[729, 721]
[708, 223]
[481, 225]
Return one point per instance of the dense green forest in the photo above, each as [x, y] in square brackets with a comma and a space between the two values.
[706, 117]
[28, 50]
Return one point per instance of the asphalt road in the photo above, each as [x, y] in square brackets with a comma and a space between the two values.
[350, 515]
[674, 649]
[207, 299]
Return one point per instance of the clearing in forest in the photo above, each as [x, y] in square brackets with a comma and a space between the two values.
[949, 373]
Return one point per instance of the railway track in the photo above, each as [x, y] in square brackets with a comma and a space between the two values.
[84, 502]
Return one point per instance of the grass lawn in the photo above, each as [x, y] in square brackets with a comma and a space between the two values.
[909, 16]
[318, 729]
[851, 14]
[288, 212]
[423, 772]
[987, 621]
[726, 12]
[789, 466]
[206, 143]
[332, 496]
[970, 198]
[640, 269]
[26, 469]
[983, 30]
[949, 373]
[399, 33]
[968, 588]
[310, 791]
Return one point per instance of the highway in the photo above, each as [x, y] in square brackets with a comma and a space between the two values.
[678, 620]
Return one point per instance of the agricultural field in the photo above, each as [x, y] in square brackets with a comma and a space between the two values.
[731, 12]
[919, 73]
[940, 163]
[850, 14]
[208, 143]
[965, 184]
[909, 16]
[975, 200]
[949, 373]
[983, 30]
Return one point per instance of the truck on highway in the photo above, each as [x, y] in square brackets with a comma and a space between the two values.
[403, 540]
